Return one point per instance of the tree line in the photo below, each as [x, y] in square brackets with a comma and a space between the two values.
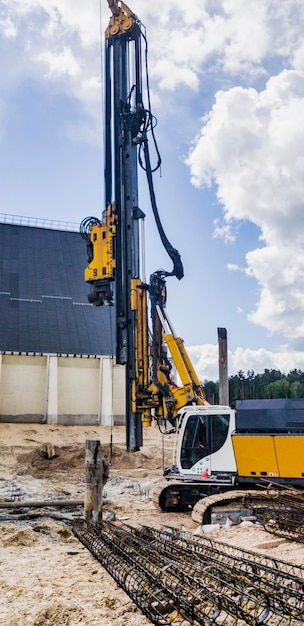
[271, 384]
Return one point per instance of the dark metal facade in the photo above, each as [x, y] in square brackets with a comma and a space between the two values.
[43, 296]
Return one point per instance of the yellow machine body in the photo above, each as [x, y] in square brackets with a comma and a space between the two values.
[269, 456]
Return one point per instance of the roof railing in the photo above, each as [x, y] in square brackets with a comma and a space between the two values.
[38, 222]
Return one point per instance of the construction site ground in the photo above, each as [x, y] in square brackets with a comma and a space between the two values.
[47, 577]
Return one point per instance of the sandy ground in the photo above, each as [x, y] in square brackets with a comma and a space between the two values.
[47, 577]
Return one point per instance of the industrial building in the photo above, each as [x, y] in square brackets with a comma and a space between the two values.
[56, 349]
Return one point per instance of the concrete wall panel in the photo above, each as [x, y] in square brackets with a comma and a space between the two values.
[57, 389]
[78, 386]
[22, 387]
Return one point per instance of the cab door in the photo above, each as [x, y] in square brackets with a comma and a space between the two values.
[195, 441]
[205, 445]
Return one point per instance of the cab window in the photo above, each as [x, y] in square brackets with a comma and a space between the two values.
[219, 431]
[194, 444]
[203, 435]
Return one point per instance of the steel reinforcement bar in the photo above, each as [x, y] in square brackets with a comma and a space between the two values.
[172, 584]
[282, 582]
[203, 596]
[154, 575]
[135, 581]
[284, 513]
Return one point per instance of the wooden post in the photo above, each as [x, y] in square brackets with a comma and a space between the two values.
[223, 367]
[96, 477]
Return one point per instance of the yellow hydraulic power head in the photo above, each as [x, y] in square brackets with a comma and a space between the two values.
[103, 263]
[122, 20]
[100, 240]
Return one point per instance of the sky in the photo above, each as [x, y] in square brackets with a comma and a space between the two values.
[227, 88]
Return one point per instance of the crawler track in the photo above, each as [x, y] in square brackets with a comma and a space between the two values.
[172, 495]
[249, 498]
[284, 514]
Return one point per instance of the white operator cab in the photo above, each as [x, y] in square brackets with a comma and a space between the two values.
[204, 444]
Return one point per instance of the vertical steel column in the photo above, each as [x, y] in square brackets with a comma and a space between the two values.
[121, 177]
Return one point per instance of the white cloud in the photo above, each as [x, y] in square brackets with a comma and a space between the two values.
[232, 267]
[251, 147]
[187, 41]
[60, 64]
[205, 360]
[59, 17]
[224, 231]
[7, 28]
[59, 46]
[231, 36]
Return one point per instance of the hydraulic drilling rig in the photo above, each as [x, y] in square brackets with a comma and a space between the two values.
[218, 451]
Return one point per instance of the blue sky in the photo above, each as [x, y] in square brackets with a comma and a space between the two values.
[227, 87]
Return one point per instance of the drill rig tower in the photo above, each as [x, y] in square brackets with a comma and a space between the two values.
[114, 245]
